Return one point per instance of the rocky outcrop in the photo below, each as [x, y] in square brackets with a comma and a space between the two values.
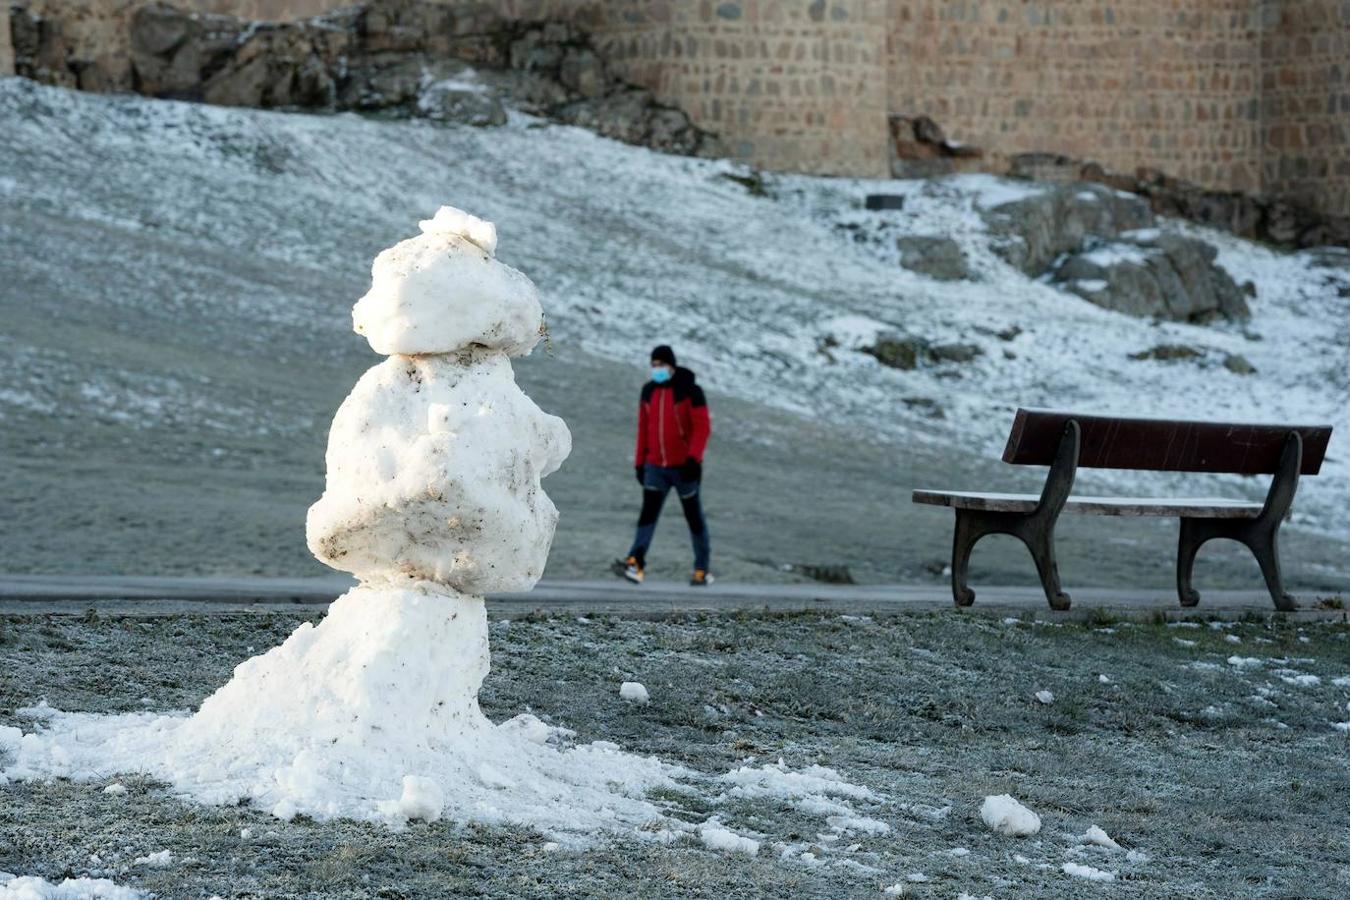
[1153, 274]
[452, 61]
[1099, 243]
[1257, 218]
[1032, 233]
[900, 351]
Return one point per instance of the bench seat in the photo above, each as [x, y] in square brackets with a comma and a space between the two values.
[1179, 507]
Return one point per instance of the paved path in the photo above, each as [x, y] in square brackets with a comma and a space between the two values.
[75, 594]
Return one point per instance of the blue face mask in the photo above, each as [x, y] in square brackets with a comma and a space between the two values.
[660, 374]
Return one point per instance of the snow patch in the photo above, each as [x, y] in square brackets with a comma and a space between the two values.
[31, 887]
[1087, 872]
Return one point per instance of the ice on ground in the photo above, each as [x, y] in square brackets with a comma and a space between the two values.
[715, 837]
[634, 692]
[1088, 872]
[814, 791]
[1301, 680]
[159, 860]
[444, 291]
[1004, 815]
[12, 887]
[1045, 697]
[116, 789]
[1095, 835]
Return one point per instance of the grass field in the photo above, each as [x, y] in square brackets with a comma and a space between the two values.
[1225, 779]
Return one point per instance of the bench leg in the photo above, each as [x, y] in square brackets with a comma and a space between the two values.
[1040, 540]
[1188, 544]
[1258, 536]
[966, 534]
[1264, 544]
[1035, 532]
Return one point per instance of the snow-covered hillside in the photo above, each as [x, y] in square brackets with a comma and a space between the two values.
[627, 246]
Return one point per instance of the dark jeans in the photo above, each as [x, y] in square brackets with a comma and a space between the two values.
[656, 483]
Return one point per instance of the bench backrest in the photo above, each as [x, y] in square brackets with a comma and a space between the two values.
[1162, 445]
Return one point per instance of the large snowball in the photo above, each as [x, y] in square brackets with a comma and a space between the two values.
[444, 291]
[434, 465]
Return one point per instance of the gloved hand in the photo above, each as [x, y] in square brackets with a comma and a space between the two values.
[637, 470]
[692, 470]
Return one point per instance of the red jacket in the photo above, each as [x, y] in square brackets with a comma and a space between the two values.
[673, 422]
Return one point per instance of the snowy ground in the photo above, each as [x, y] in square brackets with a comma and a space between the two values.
[1210, 755]
[176, 301]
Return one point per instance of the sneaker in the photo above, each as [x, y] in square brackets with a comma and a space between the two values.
[628, 568]
[701, 578]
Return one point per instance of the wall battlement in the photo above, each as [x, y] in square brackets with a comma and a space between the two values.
[1241, 95]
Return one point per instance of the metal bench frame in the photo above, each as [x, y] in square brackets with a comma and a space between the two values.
[1036, 529]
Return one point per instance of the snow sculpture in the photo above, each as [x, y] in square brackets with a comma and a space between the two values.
[432, 500]
[435, 457]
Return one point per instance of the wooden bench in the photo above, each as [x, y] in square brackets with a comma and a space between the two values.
[1065, 441]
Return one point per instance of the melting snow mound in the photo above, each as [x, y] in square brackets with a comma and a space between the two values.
[372, 714]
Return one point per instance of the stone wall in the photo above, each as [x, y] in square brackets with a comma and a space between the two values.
[1235, 95]
[1306, 103]
[1166, 84]
[786, 84]
[6, 48]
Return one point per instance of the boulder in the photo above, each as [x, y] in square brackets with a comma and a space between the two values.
[937, 257]
[907, 352]
[1031, 233]
[1153, 274]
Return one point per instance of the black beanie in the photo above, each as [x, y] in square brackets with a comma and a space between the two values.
[664, 354]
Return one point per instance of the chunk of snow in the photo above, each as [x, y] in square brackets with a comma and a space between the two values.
[1004, 815]
[421, 799]
[449, 220]
[1339, 681]
[634, 692]
[716, 837]
[916, 877]
[1045, 697]
[1095, 835]
[1232, 638]
[115, 789]
[1137, 857]
[1183, 642]
[1341, 726]
[161, 860]
[1244, 662]
[32, 887]
[958, 852]
[1088, 872]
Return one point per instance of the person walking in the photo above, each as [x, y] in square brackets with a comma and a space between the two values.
[672, 433]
